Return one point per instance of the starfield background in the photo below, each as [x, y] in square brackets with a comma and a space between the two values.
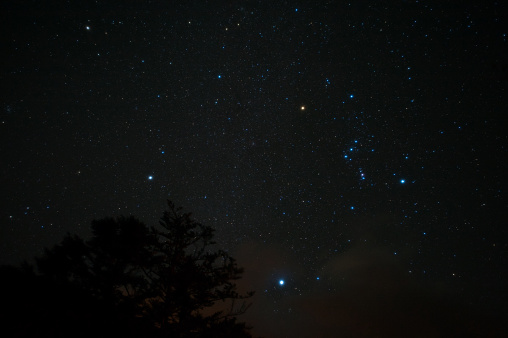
[350, 154]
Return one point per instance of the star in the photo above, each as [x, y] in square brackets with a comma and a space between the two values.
[281, 282]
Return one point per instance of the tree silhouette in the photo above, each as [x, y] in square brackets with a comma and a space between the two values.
[186, 277]
[135, 281]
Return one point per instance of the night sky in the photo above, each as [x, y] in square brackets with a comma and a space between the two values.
[350, 155]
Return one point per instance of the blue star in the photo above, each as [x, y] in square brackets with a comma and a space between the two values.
[150, 177]
[281, 282]
[402, 181]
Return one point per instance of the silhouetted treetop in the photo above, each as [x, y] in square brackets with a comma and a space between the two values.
[166, 280]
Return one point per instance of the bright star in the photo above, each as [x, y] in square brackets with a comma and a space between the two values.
[402, 181]
[150, 178]
[302, 108]
[281, 282]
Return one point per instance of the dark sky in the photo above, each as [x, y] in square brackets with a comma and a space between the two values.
[355, 150]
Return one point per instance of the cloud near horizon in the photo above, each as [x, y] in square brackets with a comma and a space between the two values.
[363, 292]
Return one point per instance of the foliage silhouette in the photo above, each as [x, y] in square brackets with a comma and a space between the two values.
[133, 281]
